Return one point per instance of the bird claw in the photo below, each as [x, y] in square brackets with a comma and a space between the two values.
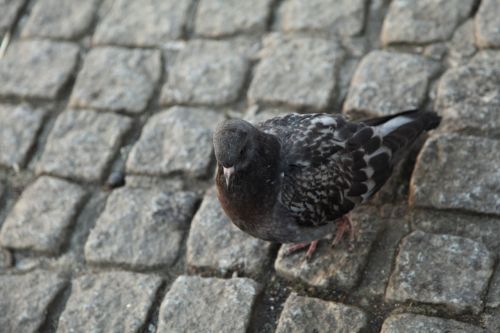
[344, 223]
[299, 246]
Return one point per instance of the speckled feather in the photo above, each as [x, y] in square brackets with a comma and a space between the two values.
[326, 166]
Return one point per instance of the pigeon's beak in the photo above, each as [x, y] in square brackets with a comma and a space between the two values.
[228, 173]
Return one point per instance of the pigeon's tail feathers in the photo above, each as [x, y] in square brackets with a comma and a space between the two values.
[376, 148]
[426, 120]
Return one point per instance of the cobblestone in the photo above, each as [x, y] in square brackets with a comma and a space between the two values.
[176, 140]
[205, 72]
[389, 82]
[82, 144]
[465, 178]
[60, 19]
[423, 21]
[113, 104]
[18, 131]
[225, 18]
[131, 77]
[469, 99]
[140, 228]
[441, 269]
[25, 299]
[145, 23]
[339, 267]
[51, 63]
[487, 28]
[215, 244]
[94, 306]
[297, 71]
[305, 314]
[345, 17]
[411, 323]
[41, 218]
[189, 305]
[10, 10]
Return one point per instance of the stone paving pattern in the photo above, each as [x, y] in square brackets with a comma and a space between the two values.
[109, 221]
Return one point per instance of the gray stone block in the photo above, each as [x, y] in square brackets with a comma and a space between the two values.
[140, 228]
[217, 18]
[412, 323]
[423, 21]
[389, 82]
[109, 302]
[176, 140]
[493, 299]
[82, 144]
[41, 217]
[205, 72]
[441, 269]
[481, 228]
[215, 244]
[296, 71]
[462, 45]
[25, 300]
[9, 9]
[19, 126]
[306, 314]
[344, 17]
[194, 304]
[62, 19]
[143, 23]
[458, 172]
[131, 77]
[37, 69]
[5, 257]
[491, 320]
[339, 267]
[468, 97]
[487, 25]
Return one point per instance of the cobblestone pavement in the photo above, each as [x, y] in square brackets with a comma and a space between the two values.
[97, 94]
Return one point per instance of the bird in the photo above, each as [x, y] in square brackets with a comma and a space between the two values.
[296, 178]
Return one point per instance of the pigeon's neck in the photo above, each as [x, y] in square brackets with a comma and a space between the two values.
[253, 191]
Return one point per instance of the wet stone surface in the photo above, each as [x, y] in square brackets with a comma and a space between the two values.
[296, 71]
[140, 228]
[60, 19]
[93, 305]
[40, 219]
[467, 178]
[411, 323]
[82, 144]
[175, 140]
[131, 77]
[216, 18]
[215, 244]
[345, 17]
[143, 23]
[18, 131]
[26, 298]
[339, 267]
[441, 269]
[389, 82]
[205, 72]
[52, 63]
[306, 314]
[189, 305]
[423, 21]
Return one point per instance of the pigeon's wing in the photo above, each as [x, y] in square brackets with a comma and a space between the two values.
[317, 174]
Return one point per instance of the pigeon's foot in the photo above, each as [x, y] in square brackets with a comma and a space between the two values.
[300, 246]
[344, 224]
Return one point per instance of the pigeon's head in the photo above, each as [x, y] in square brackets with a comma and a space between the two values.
[234, 145]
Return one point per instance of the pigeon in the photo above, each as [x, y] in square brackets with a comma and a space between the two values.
[295, 178]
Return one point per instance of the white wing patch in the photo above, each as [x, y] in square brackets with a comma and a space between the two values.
[392, 124]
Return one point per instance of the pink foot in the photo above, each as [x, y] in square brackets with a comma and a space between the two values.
[344, 224]
[300, 246]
